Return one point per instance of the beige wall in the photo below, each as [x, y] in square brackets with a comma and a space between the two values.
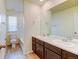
[3, 24]
[45, 18]
[31, 24]
[2, 6]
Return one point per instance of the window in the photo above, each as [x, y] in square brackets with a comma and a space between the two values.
[12, 23]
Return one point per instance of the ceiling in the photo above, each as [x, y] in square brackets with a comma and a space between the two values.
[65, 5]
[38, 2]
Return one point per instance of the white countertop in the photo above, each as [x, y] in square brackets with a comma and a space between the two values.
[68, 46]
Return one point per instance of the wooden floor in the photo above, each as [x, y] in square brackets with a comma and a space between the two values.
[32, 56]
[16, 53]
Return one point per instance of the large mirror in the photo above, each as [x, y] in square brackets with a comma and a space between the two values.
[60, 20]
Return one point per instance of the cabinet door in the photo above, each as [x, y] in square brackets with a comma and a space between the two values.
[34, 48]
[39, 50]
[68, 55]
[53, 48]
[51, 55]
[34, 44]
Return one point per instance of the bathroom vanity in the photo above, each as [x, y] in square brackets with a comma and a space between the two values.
[48, 49]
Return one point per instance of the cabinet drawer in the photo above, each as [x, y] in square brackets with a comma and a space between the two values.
[39, 41]
[33, 39]
[39, 51]
[53, 48]
[68, 55]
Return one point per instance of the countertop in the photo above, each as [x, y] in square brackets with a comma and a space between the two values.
[68, 46]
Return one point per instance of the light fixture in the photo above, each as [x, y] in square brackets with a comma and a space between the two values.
[41, 0]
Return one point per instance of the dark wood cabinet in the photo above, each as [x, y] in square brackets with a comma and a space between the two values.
[68, 55]
[53, 48]
[34, 44]
[51, 55]
[39, 50]
[39, 42]
[37, 47]
[34, 48]
[47, 51]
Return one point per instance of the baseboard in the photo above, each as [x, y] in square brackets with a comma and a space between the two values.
[28, 52]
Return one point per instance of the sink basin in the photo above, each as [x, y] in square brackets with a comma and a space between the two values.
[62, 41]
[66, 43]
